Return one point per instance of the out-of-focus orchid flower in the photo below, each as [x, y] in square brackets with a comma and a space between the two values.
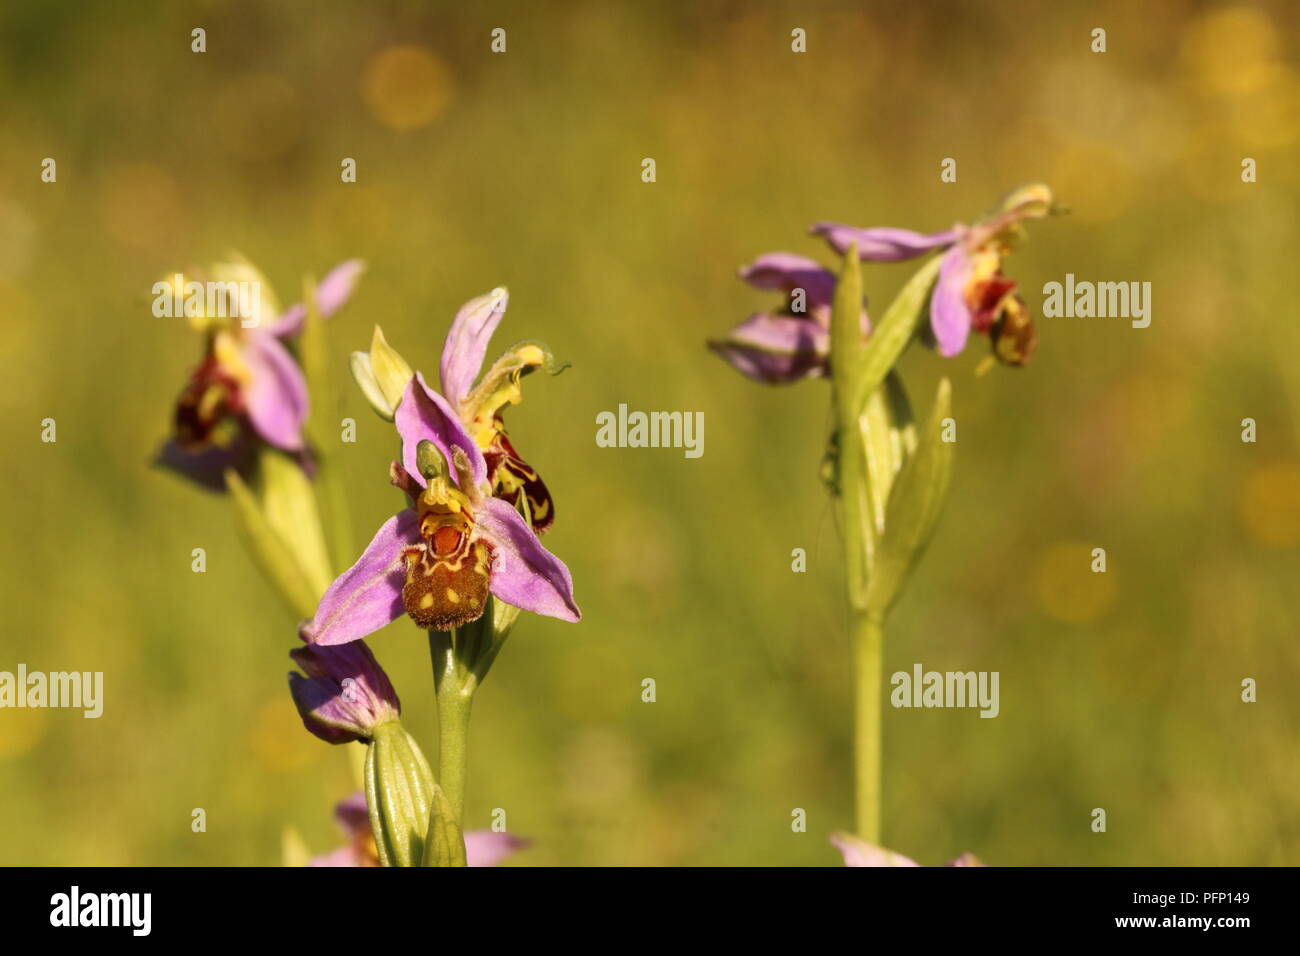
[971, 292]
[478, 400]
[345, 695]
[794, 342]
[882, 243]
[482, 847]
[858, 852]
[248, 388]
[439, 558]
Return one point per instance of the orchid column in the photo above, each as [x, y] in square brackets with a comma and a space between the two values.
[889, 479]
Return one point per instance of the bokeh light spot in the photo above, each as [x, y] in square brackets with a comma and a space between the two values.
[1270, 504]
[23, 729]
[406, 87]
[1231, 50]
[1069, 589]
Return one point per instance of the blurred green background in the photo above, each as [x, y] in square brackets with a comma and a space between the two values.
[475, 170]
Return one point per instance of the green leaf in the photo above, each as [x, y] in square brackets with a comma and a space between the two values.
[902, 423]
[269, 550]
[880, 464]
[444, 843]
[915, 503]
[888, 438]
[891, 336]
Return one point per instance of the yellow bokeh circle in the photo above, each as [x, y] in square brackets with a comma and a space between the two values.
[406, 87]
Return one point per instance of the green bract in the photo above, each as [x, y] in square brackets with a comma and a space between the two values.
[914, 505]
[399, 795]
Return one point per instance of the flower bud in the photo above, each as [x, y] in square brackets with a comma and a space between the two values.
[346, 695]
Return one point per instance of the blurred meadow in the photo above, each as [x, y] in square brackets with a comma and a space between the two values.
[523, 169]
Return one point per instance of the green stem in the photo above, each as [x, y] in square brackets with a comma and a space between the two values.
[868, 645]
[863, 487]
[455, 685]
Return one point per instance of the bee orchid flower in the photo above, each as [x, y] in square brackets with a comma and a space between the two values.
[439, 558]
[971, 292]
[248, 388]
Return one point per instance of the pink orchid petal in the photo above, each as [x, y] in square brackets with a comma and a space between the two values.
[487, 848]
[882, 243]
[331, 294]
[352, 815]
[950, 317]
[775, 349]
[276, 396]
[368, 595]
[343, 856]
[345, 694]
[467, 342]
[785, 271]
[858, 852]
[422, 415]
[525, 574]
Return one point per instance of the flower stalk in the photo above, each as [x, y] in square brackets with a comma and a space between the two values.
[454, 683]
[868, 655]
[889, 478]
[890, 486]
[860, 532]
[461, 660]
